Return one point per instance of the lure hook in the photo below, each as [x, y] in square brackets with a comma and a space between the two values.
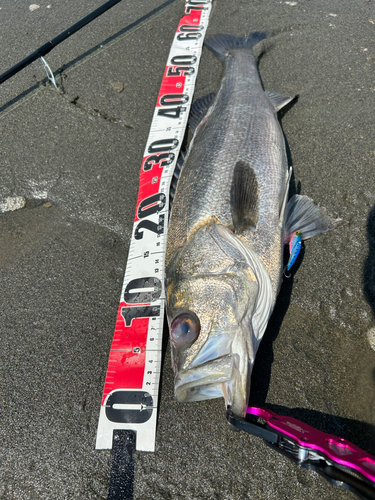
[285, 273]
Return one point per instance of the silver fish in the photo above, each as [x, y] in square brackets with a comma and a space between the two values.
[229, 222]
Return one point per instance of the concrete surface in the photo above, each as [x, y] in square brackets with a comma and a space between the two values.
[71, 158]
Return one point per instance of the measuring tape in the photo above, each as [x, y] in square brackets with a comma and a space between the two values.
[130, 395]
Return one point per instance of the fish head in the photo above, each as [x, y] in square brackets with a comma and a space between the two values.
[212, 295]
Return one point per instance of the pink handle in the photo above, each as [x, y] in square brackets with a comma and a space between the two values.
[337, 449]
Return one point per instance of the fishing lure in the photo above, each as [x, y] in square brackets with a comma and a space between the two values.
[295, 245]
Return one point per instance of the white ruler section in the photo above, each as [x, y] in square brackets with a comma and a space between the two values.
[130, 396]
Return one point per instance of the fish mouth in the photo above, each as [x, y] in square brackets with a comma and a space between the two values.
[210, 380]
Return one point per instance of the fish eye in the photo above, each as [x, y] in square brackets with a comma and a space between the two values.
[185, 328]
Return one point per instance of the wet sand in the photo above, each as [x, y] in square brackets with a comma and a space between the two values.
[72, 158]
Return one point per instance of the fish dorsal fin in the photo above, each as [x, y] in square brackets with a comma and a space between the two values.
[244, 196]
[278, 100]
[302, 214]
[199, 110]
[176, 176]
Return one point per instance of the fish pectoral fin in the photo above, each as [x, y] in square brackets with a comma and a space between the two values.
[302, 214]
[244, 197]
[278, 100]
[199, 110]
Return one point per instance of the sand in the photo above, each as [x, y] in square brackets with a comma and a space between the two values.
[69, 166]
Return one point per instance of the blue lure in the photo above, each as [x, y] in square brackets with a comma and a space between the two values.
[295, 244]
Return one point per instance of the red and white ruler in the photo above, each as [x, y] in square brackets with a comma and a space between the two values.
[130, 396]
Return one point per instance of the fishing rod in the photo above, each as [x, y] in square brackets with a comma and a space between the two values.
[47, 47]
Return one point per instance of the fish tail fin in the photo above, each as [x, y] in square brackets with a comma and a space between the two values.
[302, 214]
[222, 45]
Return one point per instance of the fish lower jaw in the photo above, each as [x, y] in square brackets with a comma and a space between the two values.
[220, 378]
[204, 381]
[200, 392]
[236, 402]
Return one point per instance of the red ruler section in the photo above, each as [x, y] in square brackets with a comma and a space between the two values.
[130, 396]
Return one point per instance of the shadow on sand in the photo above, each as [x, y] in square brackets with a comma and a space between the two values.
[369, 267]
[261, 374]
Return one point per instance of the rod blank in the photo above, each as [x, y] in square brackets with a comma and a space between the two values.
[47, 47]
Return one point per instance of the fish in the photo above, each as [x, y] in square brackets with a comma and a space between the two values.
[229, 222]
